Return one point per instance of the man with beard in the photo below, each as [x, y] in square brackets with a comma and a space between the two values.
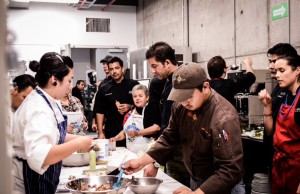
[114, 100]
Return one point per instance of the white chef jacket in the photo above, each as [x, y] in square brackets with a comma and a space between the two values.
[35, 132]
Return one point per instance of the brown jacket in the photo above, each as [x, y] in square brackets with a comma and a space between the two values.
[211, 139]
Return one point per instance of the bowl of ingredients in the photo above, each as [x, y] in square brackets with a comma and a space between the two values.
[97, 184]
[77, 159]
[145, 185]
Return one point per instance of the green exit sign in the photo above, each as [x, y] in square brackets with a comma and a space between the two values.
[280, 11]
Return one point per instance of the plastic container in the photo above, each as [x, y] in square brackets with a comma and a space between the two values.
[102, 154]
[92, 160]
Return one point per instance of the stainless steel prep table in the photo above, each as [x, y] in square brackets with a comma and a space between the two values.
[168, 186]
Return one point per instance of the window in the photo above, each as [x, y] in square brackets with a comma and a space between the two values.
[97, 25]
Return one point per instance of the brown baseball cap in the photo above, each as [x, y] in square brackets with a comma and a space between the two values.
[185, 80]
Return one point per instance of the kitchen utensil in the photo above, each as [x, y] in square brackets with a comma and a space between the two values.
[77, 159]
[145, 185]
[118, 183]
[74, 186]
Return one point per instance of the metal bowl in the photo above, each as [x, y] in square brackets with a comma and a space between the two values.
[77, 159]
[146, 185]
[74, 185]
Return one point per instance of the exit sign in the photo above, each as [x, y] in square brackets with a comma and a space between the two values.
[280, 11]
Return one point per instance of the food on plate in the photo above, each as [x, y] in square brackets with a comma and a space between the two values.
[84, 186]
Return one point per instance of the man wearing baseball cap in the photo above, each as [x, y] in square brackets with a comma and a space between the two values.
[208, 127]
[105, 69]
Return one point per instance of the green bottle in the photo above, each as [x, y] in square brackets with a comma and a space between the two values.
[92, 160]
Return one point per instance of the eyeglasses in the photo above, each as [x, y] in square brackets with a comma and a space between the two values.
[272, 61]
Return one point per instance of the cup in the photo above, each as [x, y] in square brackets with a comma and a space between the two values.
[102, 154]
[112, 146]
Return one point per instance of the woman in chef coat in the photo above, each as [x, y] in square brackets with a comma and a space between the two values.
[41, 141]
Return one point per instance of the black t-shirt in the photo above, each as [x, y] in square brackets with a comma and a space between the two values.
[77, 94]
[106, 99]
[228, 88]
[151, 116]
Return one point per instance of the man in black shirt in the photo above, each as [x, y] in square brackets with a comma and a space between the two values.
[114, 100]
[161, 58]
[217, 70]
[105, 69]
[78, 89]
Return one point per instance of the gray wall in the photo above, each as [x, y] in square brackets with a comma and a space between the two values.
[230, 28]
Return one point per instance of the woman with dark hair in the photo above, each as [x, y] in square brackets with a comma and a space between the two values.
[41, 141]
[286, 140]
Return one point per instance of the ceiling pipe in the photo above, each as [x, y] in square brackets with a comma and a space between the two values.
[109, 4]
[81, 5]
[92, 3]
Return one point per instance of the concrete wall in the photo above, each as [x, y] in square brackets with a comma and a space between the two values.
[230, 28]
[49, 27]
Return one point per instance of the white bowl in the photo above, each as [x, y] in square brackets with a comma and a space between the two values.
[77, 159]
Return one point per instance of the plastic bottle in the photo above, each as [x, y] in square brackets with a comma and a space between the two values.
[92, 160]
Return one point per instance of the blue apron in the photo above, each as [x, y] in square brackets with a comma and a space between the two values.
[46, 183]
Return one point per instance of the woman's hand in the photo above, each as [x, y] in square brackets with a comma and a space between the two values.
[133, 133]
[265, 97]
[70, 128]
[85, 143]
[113, 139]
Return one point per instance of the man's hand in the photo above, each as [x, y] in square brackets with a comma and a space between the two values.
[132, 166]
[101, 136]
[94, 127]
[185, 190]
[123, 108]
[150, 170]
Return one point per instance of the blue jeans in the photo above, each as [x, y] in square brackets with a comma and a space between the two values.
[237, 189]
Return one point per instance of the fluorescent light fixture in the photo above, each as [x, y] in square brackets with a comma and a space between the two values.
[116, 50]
[55, 1]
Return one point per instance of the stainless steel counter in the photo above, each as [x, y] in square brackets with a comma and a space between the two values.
[167, 187]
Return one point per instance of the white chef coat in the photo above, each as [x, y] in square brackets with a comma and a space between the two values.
[35, 132]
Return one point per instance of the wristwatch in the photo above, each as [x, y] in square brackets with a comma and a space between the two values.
[156, 164]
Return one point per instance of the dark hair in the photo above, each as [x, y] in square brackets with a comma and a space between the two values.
[115, 59]
[294, 61]
[68, 61]
[23, 82]
[79, 81]
[282, 50]
[34, 65]
[161, 51]
[215, 67]
[51, 64]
